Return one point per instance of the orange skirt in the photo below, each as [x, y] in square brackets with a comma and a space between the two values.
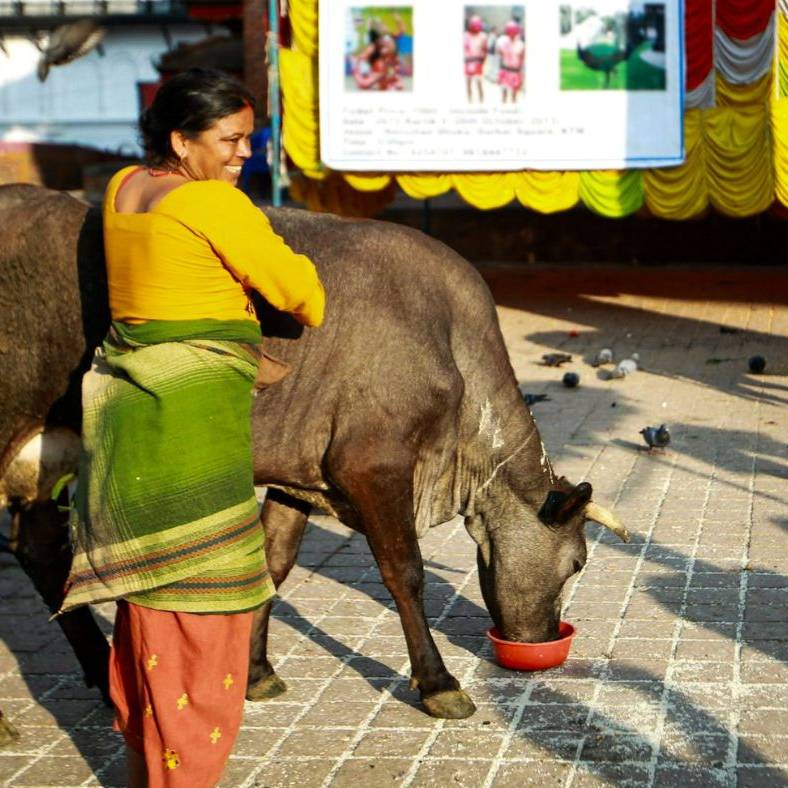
[178, 682]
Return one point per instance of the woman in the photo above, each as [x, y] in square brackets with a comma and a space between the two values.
[165, 517]
[377, 66]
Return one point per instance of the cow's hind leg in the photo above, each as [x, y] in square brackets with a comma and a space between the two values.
[39, 540]
[382, 492]
[284, 519]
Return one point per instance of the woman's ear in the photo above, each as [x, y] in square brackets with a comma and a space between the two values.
[178, 144]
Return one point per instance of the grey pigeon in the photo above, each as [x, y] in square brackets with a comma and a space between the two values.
[532, 399]
[556, 359]
[625, 367]
[605, 356]
[69, 42]
[656, 437]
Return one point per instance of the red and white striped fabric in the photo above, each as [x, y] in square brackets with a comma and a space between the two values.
[733, 38]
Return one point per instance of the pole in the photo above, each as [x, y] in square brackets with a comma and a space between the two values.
[273, 99]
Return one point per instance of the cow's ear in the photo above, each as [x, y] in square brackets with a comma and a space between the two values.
[560, 505]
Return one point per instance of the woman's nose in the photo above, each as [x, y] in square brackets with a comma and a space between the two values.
[244, 149]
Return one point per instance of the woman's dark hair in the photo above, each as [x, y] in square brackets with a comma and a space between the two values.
[190, 102]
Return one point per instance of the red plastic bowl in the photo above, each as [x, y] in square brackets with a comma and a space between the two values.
[532, 656]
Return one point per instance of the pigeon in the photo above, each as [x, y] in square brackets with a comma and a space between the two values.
[571, 379]
[625, 367]
[69, 42]
[656, 437]
[556, 359]
[532, 399]
[757, 364]
[605, 356]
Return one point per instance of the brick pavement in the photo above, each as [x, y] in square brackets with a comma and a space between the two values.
[678, 674]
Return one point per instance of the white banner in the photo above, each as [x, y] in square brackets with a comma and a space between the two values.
[451, 85]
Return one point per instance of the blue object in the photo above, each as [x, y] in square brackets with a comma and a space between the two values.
[257, 163]
[571, 379]
[273, 93]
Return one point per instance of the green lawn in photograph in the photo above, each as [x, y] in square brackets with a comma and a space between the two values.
[632, 74]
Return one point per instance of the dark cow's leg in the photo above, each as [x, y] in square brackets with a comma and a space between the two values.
[284, 519]
[39, 540]
[383, 496]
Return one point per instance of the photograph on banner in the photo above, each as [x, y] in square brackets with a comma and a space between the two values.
[494, 52]
[379, 48]
[613, 45]
[486, 86]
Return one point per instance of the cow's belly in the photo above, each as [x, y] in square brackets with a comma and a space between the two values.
[36, 463]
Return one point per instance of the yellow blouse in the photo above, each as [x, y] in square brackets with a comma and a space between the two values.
[195, 255]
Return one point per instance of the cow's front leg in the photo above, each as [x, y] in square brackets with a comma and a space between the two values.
[383, 496]
[283, 518]
[39, 540]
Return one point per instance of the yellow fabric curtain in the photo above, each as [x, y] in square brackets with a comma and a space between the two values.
[304, 24]
[739, 160]
[333, 194]
[423, 186]
[782, 53]
[367, 181]
[743, 96]
[680, 192]
[612, 193]
[301, 126]
[547, 192]
[780, 137]
[737, 154]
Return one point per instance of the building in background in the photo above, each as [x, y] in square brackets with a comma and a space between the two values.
[94, 101]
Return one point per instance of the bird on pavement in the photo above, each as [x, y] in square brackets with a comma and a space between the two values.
[69, 42]
[757, 364]
[532, 399]
[556, 359]
[605, 356]
[656, 437]
[625, 367]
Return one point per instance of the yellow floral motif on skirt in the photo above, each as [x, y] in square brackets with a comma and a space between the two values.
[171, 759]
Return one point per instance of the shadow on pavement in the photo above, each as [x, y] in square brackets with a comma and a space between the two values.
[570, 294]
[564, 727]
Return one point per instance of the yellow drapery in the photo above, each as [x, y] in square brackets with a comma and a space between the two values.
[737, 153]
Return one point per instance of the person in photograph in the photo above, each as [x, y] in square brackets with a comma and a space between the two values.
[378, 66]
[511, 49]
[493, 63]
[475, 55]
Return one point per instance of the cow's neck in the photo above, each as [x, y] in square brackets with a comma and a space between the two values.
[500, 439]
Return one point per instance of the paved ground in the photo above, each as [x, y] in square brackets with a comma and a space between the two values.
[677, 676]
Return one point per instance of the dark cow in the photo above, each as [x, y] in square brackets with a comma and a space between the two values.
[402, 411]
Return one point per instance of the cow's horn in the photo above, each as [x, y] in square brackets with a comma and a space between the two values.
[604, 517]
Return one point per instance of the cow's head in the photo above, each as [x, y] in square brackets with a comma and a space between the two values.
[529, 544]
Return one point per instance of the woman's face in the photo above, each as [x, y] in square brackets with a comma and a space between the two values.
[387, 46]
[218, 153]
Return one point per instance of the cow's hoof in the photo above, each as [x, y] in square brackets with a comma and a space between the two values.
[266, 689]
[449, 705]
[8, 733]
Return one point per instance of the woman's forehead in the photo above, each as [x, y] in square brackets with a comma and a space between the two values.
[241, 121]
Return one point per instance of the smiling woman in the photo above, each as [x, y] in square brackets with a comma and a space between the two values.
[165, 517]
